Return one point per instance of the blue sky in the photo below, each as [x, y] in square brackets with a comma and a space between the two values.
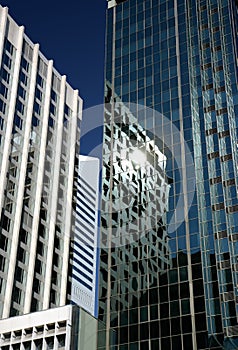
[72, 34]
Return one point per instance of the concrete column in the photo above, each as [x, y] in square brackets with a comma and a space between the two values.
[68, 214]
[39, 182]
[21, 184]
[10, 116]
[54, 194]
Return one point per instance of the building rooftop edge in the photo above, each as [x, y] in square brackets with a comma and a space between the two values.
[41, 55]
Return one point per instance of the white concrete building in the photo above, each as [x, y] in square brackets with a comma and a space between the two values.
[67, 327]
[39, 148]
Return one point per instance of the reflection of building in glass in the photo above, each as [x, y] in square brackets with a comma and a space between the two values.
[179, 58]
[134, 203]
[39, 150]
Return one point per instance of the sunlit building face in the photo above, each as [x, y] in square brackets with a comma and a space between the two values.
[39, 151]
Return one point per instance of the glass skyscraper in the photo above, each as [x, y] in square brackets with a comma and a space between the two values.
[169, 249]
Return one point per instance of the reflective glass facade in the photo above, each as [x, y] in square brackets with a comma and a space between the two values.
[169, 254]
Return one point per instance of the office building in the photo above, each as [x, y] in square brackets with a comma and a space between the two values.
[39, 155]
[85, 238]
[65, 327]
[173, 65]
